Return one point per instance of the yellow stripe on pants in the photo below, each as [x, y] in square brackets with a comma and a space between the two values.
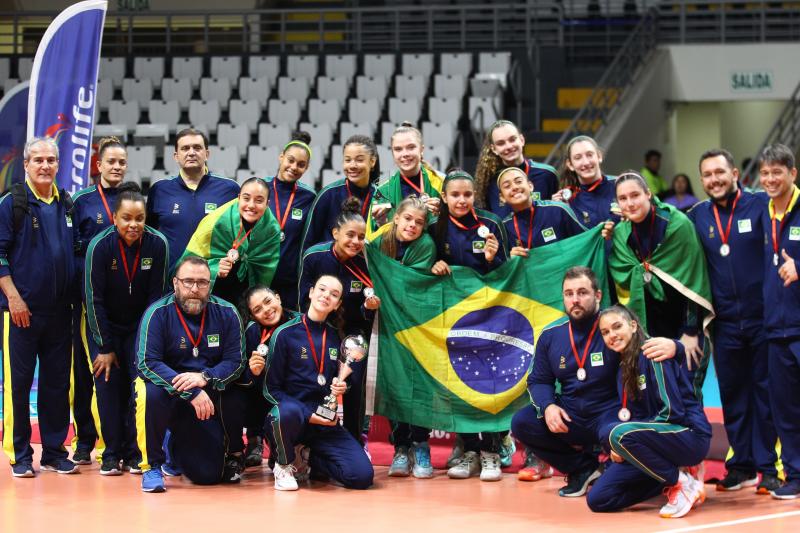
[140, 390]
[101, 443]
[8, 402]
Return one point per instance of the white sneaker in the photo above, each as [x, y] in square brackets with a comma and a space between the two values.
[468, 466]
[284, 477]
[681, 497]
[490, 467]
[300, 464]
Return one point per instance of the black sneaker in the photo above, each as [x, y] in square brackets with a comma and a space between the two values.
[82, 457]
[768, 484]
[110, 467]
[790, 491]
[254, 452]
[578, 482]
[232, 473]
[132, 466]
[737, 480]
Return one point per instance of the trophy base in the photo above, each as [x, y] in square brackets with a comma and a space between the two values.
[326, 412]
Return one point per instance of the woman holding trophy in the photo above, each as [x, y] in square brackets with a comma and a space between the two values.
[302, 383]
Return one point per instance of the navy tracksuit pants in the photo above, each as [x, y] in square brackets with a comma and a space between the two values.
[784, 384]
[86, 432]
[405, 434]
[334, 452]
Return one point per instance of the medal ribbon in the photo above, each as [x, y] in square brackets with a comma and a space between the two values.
[267, 333]
[365, 202]
[624, 398]
[278, 204]
[237, 241]
[724, 235]
[129, 275]
[582, 361]
[105, 202]
[462, 226]
[319, 361]
[354, 270]
[646, 260]
[420, 189]
[530, 228]
[776, 235]
[195, 343]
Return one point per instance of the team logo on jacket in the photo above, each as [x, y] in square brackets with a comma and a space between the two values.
[478, 246]
[176, 209]
[745, 226]
[114, 263]
[35, 222]
[642, 382]
[333, 353]
[711, 232]
[548, 234]
[147, 263]
[562, 363]
[68, 220]
[536, 195]
[99, 218]
[356, 286]
[794, 233]
[212, 340]
[303, 352]
[297, 214]
[210, 206]
[596, 359]
[183, 344]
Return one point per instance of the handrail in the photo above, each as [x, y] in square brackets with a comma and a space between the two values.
[609, 92]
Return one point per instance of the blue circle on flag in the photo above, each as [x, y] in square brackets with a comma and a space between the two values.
[490, 349]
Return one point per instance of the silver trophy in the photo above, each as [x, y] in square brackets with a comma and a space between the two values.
[353, 349]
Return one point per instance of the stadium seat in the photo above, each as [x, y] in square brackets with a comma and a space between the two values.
[402, 110]
[223, 160]
[459, 64]
[24, 68]
[324, 111]
[444, 109]
[218, 89]
[315, 165]
[170, 164]
[179, 90]
[105, 92]
[154, 135]
[246, 113]
[410, 87]
[205, 112]
[348, 129]
[140, 90]
[321, 135]
[295, 89]
[487, 85]
[237, 135]
[446, 86]
[372, 87]
[273, 135]
[134, 176]
[329, 176]
[439, 157]
[158, 175]
[110, 130]
[243, 175]
[417, 65]
[439, 134]
[141, 159]
[124, 113]
[380, 65]
[188, 68]
[199, 127]
[302, 66]
[387, 160]
[164, 112]
[494, 62]
[263, 157]
[364, 110]
[341, 66]
[387, 128]
[337, 156]
[264, 67]
[229, 67]
[333, 88]
[283, 112]
[151, 68]
[480, 121]
[255, 89]
[112, 69]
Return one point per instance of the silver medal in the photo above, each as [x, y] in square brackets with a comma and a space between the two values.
[262, 349]
[775, 259]
[424, 198]
[283, 236]
[195, 351]
[624, 414]
[566, 194]
[321, 380]
[724, 250]
[581, 374]
[369, 292]
[483, 232]
[233, 254]
[648, 277]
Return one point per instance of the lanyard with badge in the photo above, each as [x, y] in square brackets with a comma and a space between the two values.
[266, 334]
[365, 203]
[483, 231]
[105, 202]
[195, 342]
[369, 290]
[233, 253]
[318, 361]
[530, 228]
[129, 275]
[725, 248]
[282, 220]
[776, 235]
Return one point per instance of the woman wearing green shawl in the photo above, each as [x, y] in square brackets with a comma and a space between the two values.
[241, 241]
[659, 268]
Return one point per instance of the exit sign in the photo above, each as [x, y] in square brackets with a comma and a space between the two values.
[752, 81]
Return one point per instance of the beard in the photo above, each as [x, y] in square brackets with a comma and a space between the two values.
[191, 305]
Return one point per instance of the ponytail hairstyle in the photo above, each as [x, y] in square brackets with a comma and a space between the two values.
[255, 179]
[350, 211]
[128, 191]
[629, 357]
[488, 164]
[244, 302]
[372, 149]
[300, 139]
[453, 174]
[109, 142]
[569, 179]
[389, 240]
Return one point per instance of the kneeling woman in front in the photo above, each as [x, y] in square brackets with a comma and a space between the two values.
[301, 370]
[662, 426]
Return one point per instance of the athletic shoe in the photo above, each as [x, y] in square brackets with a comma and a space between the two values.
[81, 457]
[365, 440]
[422, 468]
[254, 452]
[681, 497]
[490, 467]
[578, 482]
[153, 480]
[401, 466]
[132, 466]
[62, 466]
[300, 464]
[789, 491]
[22, 470]
[768, 484]
[698, 473]
[171, 470]
[457, 453]
[110, 467]
[507, 449]
[534, 468]
[232, 471]
[737, 480]
[284, 477]
[468, 466]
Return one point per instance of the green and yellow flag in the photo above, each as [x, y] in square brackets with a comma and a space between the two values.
[454, 352]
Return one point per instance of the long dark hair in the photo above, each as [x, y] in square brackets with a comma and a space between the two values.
[629, 357]
[244, 302]
[569, 178]
[389, 240]
[440, 229]
[489, 163]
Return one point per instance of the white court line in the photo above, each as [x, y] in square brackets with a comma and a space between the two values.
[734, 522]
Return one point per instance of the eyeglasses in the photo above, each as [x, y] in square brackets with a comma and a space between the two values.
[188, 283]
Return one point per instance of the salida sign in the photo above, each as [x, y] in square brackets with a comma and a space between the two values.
[752, 81]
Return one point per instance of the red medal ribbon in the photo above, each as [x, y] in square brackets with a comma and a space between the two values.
[530, 228]
[624, 398]
[105, 202]
[266, 334]
[195, 342]
[459, 225]
[365, 203]
[129, 275]
[776, 235]
[237, 241]
[278, 204]
[582, 361]
[420, 189]
[645, 261]
[319, 361]
[724, 235]
[354, 270]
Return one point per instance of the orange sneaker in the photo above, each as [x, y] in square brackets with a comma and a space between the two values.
[534, 468]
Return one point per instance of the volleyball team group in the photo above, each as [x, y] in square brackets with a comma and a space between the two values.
[171, 326]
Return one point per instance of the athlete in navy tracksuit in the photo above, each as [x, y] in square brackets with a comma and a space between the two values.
[595, 202]
[663, 429]
[294, 201]
[730, 229]
[545, 185]
[37, 282]
[117, 291]
[189, 350]
[551, 222]
[327, 207]
[294, 387]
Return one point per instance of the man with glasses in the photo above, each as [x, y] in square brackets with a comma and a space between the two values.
[189, 349]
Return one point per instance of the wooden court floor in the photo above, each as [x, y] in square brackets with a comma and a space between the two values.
[88, 502]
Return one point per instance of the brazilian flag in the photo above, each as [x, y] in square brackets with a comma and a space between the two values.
[454, 351]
